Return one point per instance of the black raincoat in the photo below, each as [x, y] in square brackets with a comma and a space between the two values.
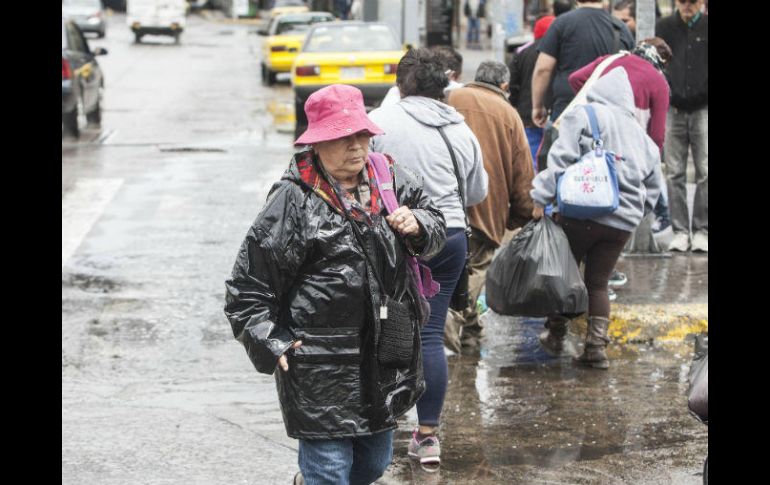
[301, 275]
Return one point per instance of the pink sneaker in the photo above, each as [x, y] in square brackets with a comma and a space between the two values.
[428, 451]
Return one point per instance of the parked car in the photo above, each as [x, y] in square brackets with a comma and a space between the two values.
[281, 7]
[286, 33]
[156, 17]
[363, 54]
[87, 14]
[82, 82]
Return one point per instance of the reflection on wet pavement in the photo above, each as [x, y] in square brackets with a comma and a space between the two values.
[518, 415]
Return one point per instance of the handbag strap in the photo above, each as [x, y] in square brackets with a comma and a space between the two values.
[457, 176]
[369, 260]
[384, 181]
[580, 96]
[594, 126]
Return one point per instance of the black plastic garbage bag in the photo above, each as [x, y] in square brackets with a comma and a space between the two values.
[698, 398]
[535, 275]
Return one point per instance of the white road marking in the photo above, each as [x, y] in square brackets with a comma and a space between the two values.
[81, 208]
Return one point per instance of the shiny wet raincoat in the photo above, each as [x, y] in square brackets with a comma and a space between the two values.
[301, 275]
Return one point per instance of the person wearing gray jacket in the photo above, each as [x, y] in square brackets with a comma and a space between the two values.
[413, 139]
[600, 241]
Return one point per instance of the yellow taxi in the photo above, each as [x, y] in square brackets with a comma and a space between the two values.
[281, 7]
[362, 54]
[286, 33]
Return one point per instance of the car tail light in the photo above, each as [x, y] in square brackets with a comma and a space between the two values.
[278, 48]
[66, 70]
[308, 70]
[391, 68]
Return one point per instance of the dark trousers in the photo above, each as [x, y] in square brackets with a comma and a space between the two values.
[599, 246]
[446, 267]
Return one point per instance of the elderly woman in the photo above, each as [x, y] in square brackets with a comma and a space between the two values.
[307, 290]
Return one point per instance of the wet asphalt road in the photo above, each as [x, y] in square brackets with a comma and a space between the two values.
[154, 388]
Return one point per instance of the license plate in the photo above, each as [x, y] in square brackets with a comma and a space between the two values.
[351, 72]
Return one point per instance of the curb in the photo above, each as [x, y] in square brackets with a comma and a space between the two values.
[655, 323]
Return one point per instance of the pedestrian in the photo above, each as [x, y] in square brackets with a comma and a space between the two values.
[644, 66]
[686, 32]
[508, 163]
[520, 88]
[599, 241]
[474, 11]
[625, 11]
[573, 40]
[414, 135]
[342, 8]
[453, 61]
[303, 297]
[562, 6]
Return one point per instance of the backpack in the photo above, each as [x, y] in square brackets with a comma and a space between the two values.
[589, 187]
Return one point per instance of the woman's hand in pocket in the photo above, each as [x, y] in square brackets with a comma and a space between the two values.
[282, 359]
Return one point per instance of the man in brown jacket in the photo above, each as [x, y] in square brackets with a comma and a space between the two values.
[508, 162]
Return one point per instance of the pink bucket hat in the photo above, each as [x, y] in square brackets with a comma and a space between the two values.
[335, 112]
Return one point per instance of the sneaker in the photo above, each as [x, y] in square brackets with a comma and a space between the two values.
[611, 293]
[617, 278]
[681, 242]
[428, 451]
[700, 242]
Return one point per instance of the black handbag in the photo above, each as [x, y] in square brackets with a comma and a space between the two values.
[460, 298]
[398, 320]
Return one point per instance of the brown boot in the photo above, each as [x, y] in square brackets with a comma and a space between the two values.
[594, 354]
[553, 339]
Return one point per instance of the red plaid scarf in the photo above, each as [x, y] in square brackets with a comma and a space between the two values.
[312, 177]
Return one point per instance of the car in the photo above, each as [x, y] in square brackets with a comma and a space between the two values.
[362, 54]
[281, 7]
[156, 17]
[87, 14]
[286, 33]
[82, 82]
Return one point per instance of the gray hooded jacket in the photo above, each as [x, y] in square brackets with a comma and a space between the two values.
[412, 139]
[639, 175]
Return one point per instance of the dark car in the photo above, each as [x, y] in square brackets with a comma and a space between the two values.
[82, 83]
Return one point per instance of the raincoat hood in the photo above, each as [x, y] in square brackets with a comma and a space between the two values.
[430, 112]
[613, 89]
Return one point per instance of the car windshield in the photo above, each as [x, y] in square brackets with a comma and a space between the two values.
[351, 38]
[299, 24]
[82, 3]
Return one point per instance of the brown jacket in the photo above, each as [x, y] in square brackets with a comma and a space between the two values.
[507, 159]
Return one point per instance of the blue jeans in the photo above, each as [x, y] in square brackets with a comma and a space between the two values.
[346, 461]
[446, 267]
[534, 138]
[473, 30]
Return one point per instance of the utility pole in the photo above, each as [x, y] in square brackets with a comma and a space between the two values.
[645, 19]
